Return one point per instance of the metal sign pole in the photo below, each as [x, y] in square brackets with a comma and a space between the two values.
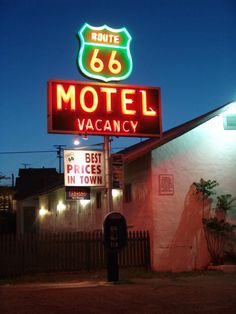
[109, 206]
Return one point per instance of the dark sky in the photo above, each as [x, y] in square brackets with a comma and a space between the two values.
[185, 47]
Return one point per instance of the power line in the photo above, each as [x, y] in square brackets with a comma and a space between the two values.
[29, 152]
[53, 151]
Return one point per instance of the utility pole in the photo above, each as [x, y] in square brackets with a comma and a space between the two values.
[59, 155]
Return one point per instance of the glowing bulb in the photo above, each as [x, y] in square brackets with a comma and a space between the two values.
[61, 207]
[84, 202]
[76, 140]
[42, 212]
[115, 192]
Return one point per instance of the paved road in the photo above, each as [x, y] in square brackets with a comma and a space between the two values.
[178, 294]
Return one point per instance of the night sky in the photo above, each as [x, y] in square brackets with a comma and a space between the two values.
[185, 47]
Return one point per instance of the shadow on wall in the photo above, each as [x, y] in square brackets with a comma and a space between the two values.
[188, 249]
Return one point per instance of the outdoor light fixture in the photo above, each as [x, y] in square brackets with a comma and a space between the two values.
[42, 212]
[76, 140]
[85, 137]
[115, 192]
[229, 121]
[84, 202]
[61, 207]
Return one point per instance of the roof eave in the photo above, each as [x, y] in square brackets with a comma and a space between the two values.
[142, 148]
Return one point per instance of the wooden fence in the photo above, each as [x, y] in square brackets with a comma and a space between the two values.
[67, 252]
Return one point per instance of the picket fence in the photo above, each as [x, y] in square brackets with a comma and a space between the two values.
[53, 252]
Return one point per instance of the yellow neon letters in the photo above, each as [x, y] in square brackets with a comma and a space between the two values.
[146, 112]
[68, 97]
[126, 101]
[96, 64]
[94, 105]
[105, 38]
[89, 99]
[108, 92]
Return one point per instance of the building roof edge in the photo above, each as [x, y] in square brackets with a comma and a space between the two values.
[139, 149]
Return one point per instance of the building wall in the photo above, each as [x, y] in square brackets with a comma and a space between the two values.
[65, 216]
[170, 211]
[207, 152]
[138, 212]
[85, 216]
[27, 212]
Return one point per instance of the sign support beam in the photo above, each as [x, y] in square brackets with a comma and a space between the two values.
[109, 204]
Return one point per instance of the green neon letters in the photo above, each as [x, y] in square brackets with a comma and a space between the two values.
[104, 53]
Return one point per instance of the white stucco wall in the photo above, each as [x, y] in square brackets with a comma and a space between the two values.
[138, 213]
[207, 152]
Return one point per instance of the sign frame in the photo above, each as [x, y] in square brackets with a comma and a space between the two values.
[84, 168]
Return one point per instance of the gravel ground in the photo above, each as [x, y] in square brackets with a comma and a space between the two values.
[140, 292]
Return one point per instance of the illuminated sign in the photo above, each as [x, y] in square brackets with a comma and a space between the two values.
[84, 168]
[75, 193]
[103, 109]
[105, 53]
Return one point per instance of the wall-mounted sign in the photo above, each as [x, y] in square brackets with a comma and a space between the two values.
[84, 168]
[166, 184]
[103, 109]
[117, 171]
[76, 193]
[104, 53]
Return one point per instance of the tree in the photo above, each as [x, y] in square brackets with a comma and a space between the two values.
[223, 205]
[217, 231]
[205, 189]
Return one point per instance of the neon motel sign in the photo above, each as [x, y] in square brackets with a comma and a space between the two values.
[103, 109]
[104, 53]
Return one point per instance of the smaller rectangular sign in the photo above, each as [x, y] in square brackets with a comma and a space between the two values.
[117, 163]
[76, 193]
[84, 168]
[166, 184]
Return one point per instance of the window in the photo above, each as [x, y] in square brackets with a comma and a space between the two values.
[98, 200]
[230, 122]
[5, 202]
[128, 193]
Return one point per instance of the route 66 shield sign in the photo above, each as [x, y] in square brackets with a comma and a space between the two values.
[104, 53]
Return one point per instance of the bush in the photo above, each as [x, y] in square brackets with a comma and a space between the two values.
[218, 232]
